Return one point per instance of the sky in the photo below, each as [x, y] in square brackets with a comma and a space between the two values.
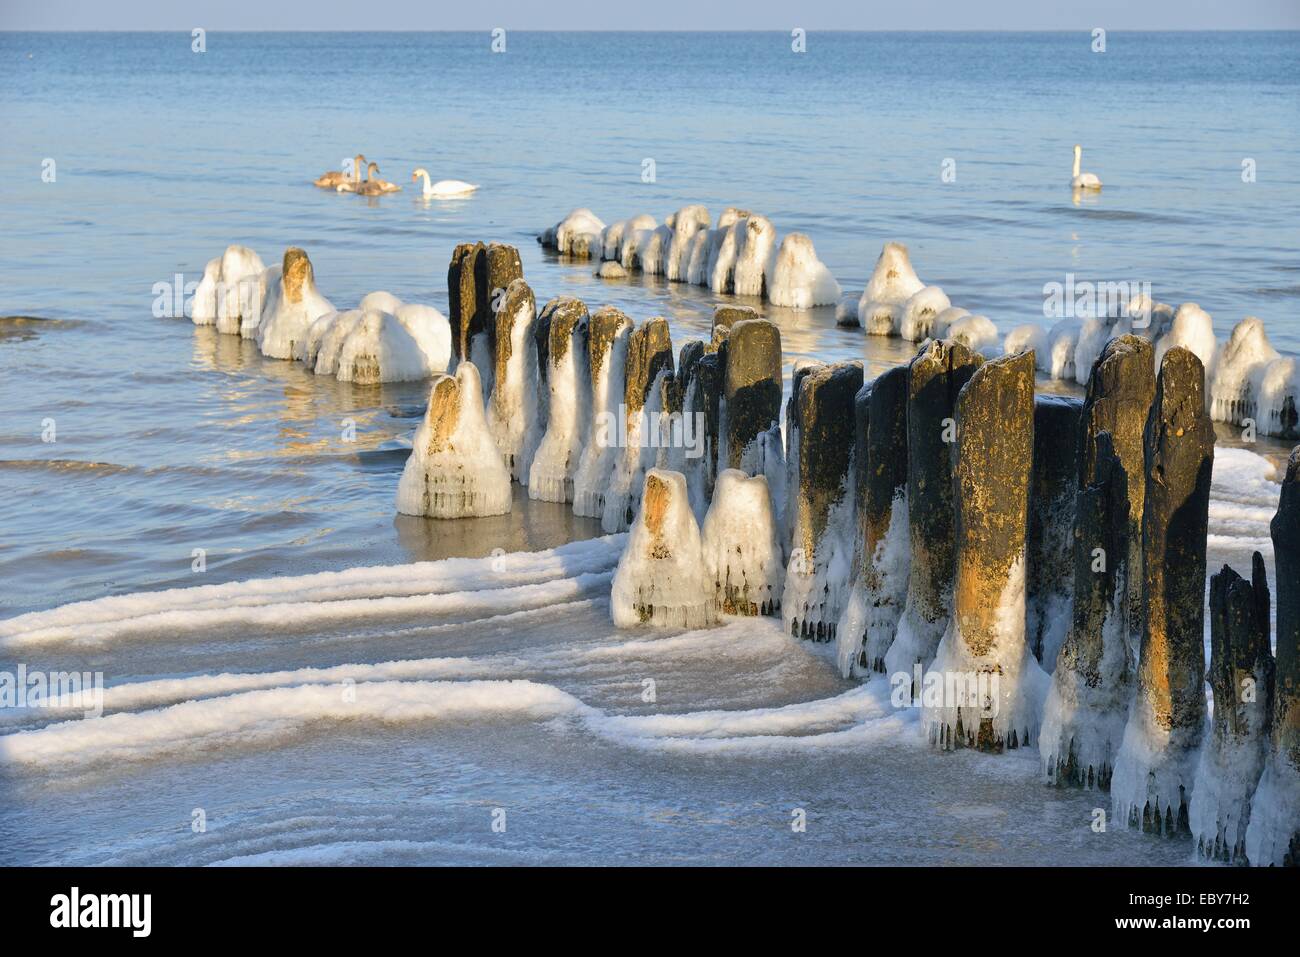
[657, 14]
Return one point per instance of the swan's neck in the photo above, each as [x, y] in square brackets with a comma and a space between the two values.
[1076, 162]
[357, 162]
[428, 187]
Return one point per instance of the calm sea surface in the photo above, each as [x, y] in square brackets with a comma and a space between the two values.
[169, 438]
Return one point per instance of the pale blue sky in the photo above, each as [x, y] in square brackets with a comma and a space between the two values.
[656, 14]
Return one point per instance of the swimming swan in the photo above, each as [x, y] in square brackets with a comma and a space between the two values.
[444, 187]
[335, 177]
[1083, 180]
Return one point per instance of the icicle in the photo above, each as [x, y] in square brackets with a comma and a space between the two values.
[1155, 768]
[454, 470]
[567, 379]
[984, 648]
[660, 579]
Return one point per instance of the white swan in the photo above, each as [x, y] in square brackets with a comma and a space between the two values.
[444, 187]
[1083, 180]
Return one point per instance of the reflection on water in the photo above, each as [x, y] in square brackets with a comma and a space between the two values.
[529, 527]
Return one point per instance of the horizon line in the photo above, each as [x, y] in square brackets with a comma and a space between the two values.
[781, 30]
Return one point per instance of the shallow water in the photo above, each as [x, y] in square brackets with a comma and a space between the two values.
[170, 438]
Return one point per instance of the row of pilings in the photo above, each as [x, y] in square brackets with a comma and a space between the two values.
[941, 520]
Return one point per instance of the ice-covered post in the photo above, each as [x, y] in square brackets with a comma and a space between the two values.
[513, 413]
[568, 385]
[690, 399]
[934, 379]
[462, 297]
[893, 281]
[1241, 676]
[500, 267]
[709, 380]
[289, 311]
[790, 496]
[649, 355]
[724, 317]
[851, 630]
[660, 579]
[1155, 770]
[455, 469]
[494, 268]
[607, 341]
[1121, 387]
[1051, 522]
[742, 552]
[817, 575]
[882, 551]
[753, 395]
[1087, 704]
[993, 686]
[1273, 837]
[688, 221]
